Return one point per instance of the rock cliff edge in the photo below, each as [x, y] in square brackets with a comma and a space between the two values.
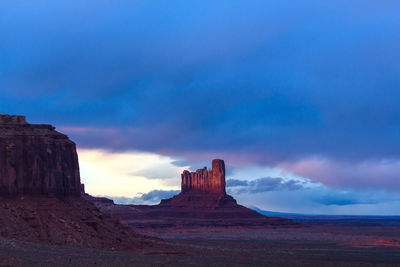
[36, 159]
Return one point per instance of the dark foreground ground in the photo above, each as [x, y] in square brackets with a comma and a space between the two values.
[333, 241]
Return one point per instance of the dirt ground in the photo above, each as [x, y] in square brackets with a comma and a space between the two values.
[328, 243]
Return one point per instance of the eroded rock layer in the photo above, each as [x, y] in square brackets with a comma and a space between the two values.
[36, 159]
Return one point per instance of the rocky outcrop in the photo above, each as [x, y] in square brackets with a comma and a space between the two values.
[94, 199]
[202, 202]
[39, 164]
[67, 221]
[202, 190]
[36, 159]
[205, 180]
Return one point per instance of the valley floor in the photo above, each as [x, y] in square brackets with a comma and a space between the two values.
[333, 242]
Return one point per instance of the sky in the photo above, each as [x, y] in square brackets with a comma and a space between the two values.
[300, 98]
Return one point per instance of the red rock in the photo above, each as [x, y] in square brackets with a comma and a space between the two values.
[205, 180]
[40, 164]
[69, 221]
[202, 202]
[36, 159]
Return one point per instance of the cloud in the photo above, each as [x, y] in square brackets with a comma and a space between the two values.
[126, 174]
[235, 183]
[372, 174]
[310, 191]
[342, 199]
[324, 201]
[151, 198]
[310, 87]
[180, 163]
[158, 171]
[232, 79]
[266, 184]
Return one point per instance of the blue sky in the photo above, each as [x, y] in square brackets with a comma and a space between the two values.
[279, 89]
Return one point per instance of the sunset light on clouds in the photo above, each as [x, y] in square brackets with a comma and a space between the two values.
[281, 90]
[126, 174]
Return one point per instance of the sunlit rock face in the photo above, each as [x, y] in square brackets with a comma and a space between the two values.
[205, 180]
[36, 159]
[202, 192]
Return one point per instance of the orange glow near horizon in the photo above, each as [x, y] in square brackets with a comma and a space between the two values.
[128, 173]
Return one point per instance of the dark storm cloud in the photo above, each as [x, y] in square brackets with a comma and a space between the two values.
[274, 80]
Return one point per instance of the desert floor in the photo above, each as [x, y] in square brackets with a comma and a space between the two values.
[329, 241]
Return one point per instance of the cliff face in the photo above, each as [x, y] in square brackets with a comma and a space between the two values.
[205, 180]
[36, 159]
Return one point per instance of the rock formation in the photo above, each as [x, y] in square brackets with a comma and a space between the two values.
[205, 180]
[202, 190]
[202, 202]
[36, 159]
[70, 221]
[38, 165]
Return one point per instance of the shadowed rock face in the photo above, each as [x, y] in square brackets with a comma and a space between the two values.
[205, 180]
[36, 159]
[42, 164]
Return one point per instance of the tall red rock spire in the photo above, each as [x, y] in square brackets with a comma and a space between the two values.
[206, 180]
[218, 174]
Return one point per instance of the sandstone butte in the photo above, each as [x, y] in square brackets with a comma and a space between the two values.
[205, 180]
[36, 159]
[202, 202]
[40, 192]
